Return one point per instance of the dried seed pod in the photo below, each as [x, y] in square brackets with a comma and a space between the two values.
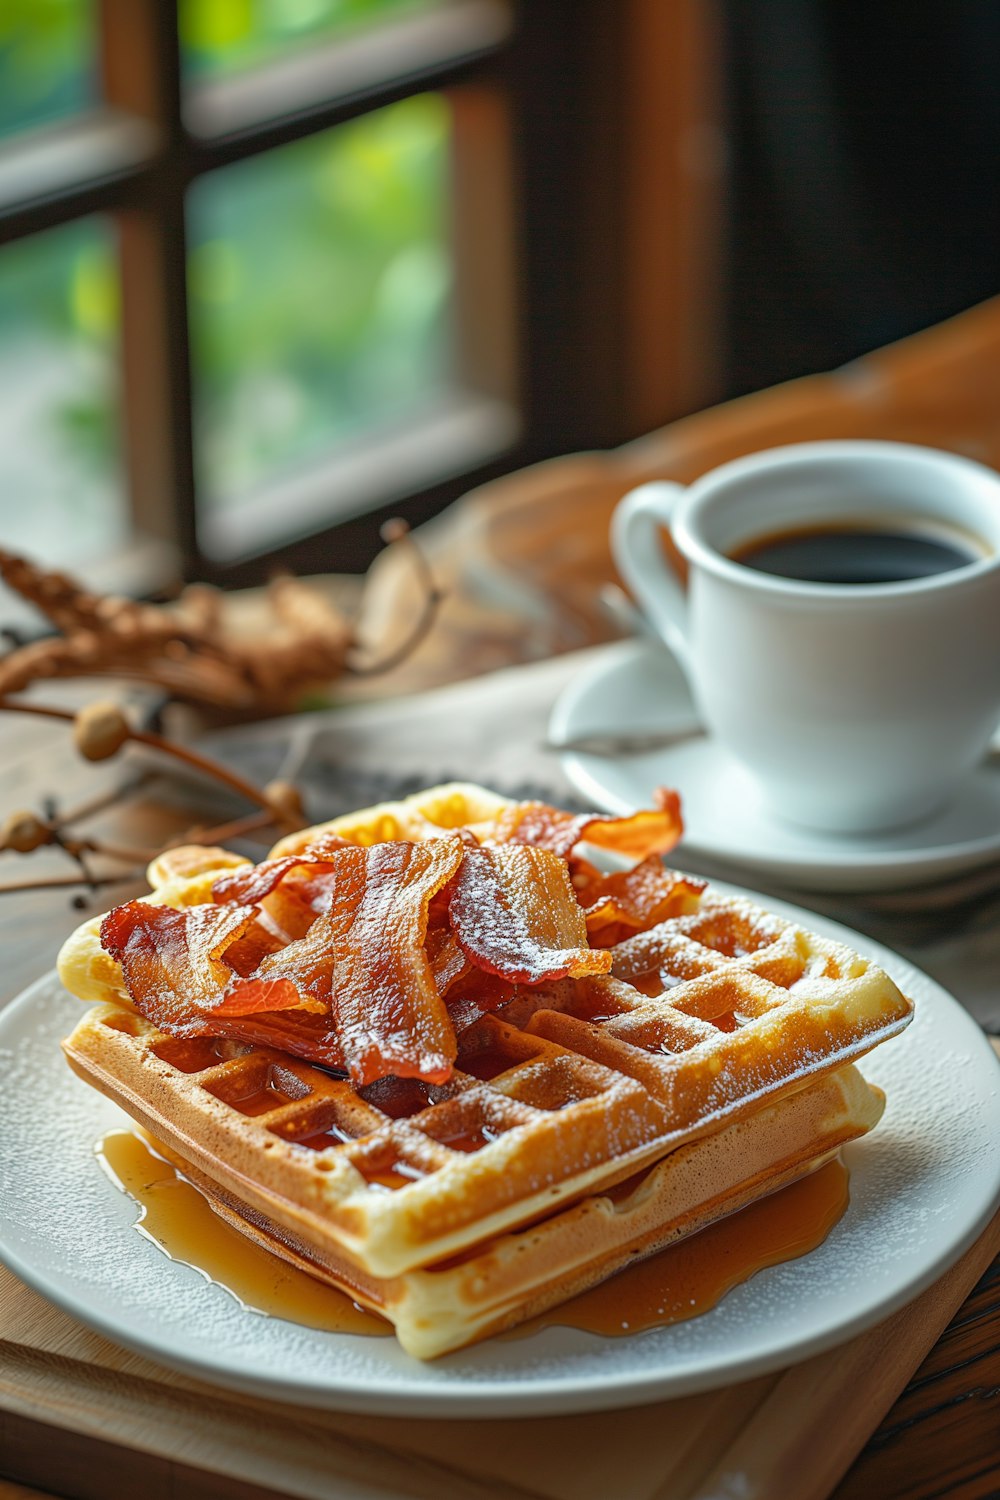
[100, 730]
[285, 800]
[394, 530]
[23, 832]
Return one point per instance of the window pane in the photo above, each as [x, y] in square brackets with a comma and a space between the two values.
[47, 67]
[320, 280]
[60, 493]
[224, 36]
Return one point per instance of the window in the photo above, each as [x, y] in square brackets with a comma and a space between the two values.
[59, 391]
[271, 270]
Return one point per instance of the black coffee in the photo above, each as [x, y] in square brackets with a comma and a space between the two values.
[856, 554]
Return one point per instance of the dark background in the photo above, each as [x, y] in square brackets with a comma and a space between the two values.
[865, 189]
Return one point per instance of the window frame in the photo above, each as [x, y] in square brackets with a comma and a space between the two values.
[591, 307]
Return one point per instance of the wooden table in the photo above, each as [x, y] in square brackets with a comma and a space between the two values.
[940, 1436]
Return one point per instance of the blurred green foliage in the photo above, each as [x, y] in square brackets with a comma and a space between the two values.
[319, 274]
[48, 64]
[319, 279]
[59, 304]
[222, 36]
[46, 61]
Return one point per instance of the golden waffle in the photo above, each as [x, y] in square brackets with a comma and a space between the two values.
[410, 1172]
[502, 1283]
[424, 815]
[579, 1085]
[533, 1115]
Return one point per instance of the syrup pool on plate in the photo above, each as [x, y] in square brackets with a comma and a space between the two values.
[180, 1221]
[679, 1282]
[693, 1275]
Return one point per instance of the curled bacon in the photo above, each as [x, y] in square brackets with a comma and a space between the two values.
[633, 899]
[172, 962]
[295, 1031]
[369, 957]
[292, 890]
[251, 885]
[475, 995]
[260, 938]
[363, 959]
[652, 831]
[516, 915]
[448, 962]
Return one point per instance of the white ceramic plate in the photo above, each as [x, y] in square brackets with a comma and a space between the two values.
[923, 1186]
[638, 685]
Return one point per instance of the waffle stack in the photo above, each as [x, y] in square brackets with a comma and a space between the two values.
[585, 1120]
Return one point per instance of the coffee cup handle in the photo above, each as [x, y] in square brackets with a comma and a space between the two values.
[635, 543]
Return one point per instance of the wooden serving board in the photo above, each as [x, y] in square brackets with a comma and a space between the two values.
[84, 1418]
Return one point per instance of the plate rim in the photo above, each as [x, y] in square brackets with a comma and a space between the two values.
[561, 1394]
[916, 865]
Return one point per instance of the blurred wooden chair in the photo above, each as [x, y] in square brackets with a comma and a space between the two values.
[522, 559]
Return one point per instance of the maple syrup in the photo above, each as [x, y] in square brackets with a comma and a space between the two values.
[680, 1282]
[180, 1220]
[261, 1101]
[692, 1276]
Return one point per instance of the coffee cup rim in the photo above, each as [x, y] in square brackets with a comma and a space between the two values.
[697, 550]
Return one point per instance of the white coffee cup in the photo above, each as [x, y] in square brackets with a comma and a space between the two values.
[856, 707]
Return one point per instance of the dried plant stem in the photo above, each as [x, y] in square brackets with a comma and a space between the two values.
[182, 753]
[76, 847]
[138, 858]
[60, 882]
[233, 830]
[203, 763]
[94, 805]
[44, 711]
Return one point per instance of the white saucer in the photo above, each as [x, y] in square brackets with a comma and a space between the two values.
[637, 685]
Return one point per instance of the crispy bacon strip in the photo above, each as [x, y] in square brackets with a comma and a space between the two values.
[638, 898]
[446, 958]
[292, 890]
[306, 966]
[172, 962]
[642, 833]
[251, 885]
[260, 938]
[516, 915]
[476, 994]
[295, 1031]
[363, 959]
